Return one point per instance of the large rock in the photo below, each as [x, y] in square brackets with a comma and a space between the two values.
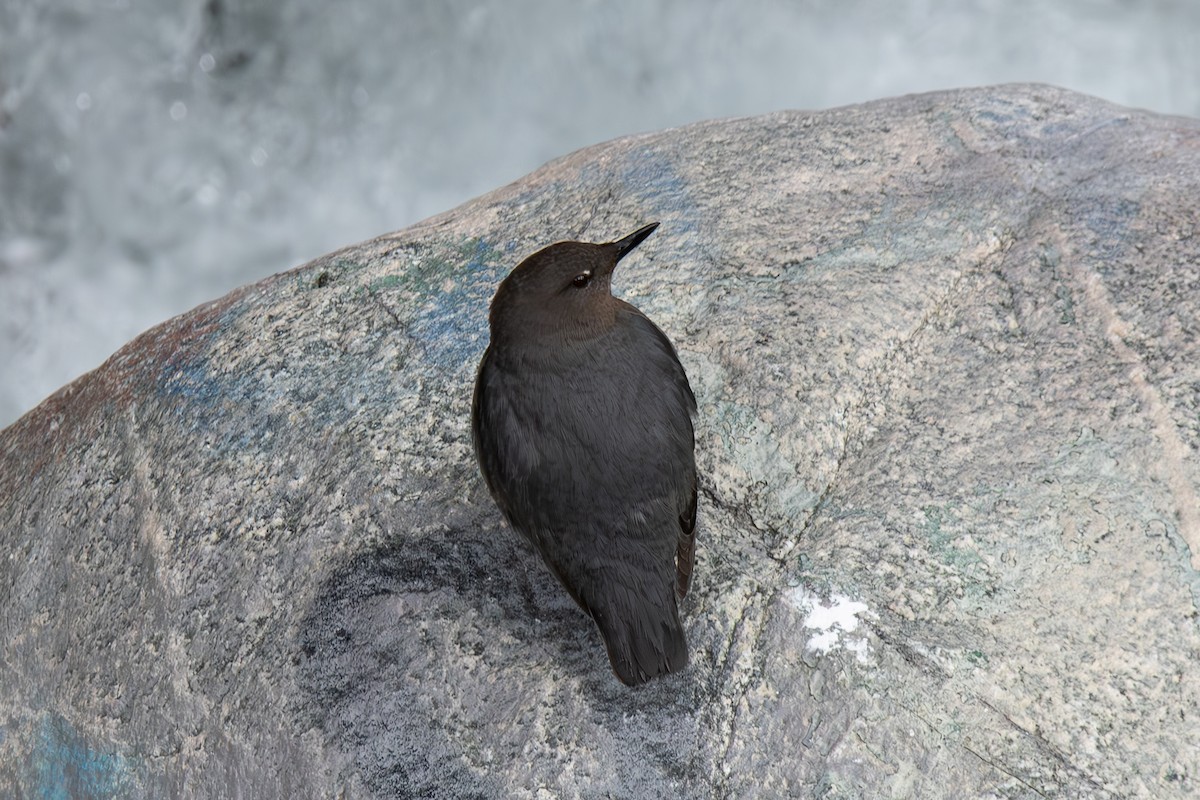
[947, 358]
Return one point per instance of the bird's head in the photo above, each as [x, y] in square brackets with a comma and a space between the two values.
[564, 290]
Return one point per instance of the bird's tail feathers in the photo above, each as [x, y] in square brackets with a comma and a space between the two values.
[642, 631]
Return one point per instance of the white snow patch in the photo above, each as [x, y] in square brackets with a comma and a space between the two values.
[834, 621]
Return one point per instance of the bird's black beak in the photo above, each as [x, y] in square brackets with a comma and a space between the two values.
[633, 240]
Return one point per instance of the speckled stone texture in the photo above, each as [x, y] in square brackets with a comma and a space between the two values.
[946, 353]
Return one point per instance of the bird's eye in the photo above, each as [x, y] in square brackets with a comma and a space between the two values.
[582, 279]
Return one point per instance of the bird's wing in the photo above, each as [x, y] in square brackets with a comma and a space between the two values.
[685, 549]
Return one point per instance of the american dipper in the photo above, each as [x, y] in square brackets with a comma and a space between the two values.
[582, 420]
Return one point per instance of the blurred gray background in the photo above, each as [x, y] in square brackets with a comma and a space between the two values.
[157, 154]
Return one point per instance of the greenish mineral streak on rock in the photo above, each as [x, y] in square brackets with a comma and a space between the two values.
[945, 357]
[386, 282]
[941, 528]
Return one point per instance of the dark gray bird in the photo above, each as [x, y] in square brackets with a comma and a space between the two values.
[582, 420]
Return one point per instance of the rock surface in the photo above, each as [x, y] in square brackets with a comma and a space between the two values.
[947, 355]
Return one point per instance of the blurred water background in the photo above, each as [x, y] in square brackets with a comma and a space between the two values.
[158, 153]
